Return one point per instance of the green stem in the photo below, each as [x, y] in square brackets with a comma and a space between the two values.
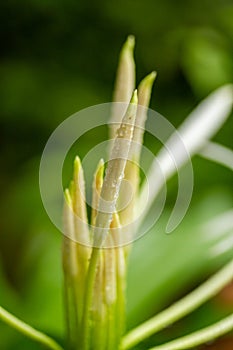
[121, 281]
[181, 308]
[111, 327]
[200, 337]
[99, 336]
[27, 330]
[88, 298]
[99, 321]
[71, 313]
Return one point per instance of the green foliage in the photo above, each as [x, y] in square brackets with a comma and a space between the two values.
[58, 57]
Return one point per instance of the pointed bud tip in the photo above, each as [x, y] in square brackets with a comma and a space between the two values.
[130, 41]
[134, 98]
[100, 165]
[99, 174]
[77, 166]
[100, 168]
[67, 196]
[152, 75]
[101, 162]
[149, 79]
[77, 161]
[129, 44]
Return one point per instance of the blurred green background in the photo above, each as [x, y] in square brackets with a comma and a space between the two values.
[58, 57]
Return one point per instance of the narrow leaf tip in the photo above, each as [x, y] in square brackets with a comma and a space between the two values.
[134, 98]
[130, 43]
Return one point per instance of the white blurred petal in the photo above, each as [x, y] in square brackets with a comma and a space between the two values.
[222, 247]
[218, 154]
[219, 225]
[202, 124]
